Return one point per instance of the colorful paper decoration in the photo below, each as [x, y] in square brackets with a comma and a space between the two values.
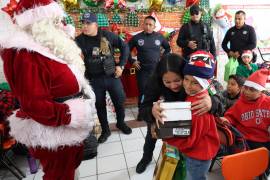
[109, 4]
[191, 2]
[92, 3]
[102, 20]
[155, 5]
[132, 18]
[11, 7]
[186, 17]
[116, 18]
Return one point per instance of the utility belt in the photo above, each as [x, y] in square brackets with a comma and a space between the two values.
[63, 99]
[100, 65]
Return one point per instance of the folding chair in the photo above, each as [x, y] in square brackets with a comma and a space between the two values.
[5, 146]
[245, 165]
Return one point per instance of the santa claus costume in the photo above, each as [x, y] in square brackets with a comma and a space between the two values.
[45, 71]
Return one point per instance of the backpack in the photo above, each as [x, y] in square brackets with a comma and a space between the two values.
[230, 137]
[90, 146]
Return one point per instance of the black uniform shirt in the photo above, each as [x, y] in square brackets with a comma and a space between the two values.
[148, 48]
[240, 39]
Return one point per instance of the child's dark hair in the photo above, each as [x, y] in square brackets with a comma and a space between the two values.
[240, 80]
[150, 17]
[170, 62]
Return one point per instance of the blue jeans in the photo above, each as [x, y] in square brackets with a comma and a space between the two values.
[115, 88]
[197, 169]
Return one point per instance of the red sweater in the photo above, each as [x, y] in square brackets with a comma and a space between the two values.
[251, 118]
[203, 143]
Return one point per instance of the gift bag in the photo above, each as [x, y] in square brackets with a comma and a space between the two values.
[180, 171]
[167, 163]
[230, 68]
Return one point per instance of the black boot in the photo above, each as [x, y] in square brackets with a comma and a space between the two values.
[124, 128]
[141, 166]
[104, 136]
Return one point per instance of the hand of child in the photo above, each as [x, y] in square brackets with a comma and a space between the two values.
[224, 121]
[157, 112]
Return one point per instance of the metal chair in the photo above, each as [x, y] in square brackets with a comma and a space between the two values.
[5, 146]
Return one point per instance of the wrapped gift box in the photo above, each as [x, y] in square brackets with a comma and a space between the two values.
[177, 120]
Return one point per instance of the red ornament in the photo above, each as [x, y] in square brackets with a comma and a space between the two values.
[11, 7]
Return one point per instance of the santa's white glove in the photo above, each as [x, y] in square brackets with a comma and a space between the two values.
[82, 112]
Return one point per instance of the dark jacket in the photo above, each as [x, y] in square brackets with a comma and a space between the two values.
[154, 90]
[239, 39]
[148, 48]
[229, 101]
[195, 33]
[87, 43]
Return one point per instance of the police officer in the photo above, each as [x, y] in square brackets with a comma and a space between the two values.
[241, 37]
[196, 35]
[97, 47]
[148, 44]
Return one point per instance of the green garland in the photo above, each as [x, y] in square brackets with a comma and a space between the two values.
[91, 3]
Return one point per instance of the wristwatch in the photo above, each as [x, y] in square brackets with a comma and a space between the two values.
[122, 67]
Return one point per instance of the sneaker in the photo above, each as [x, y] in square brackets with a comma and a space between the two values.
[124, 128]
[141, 166]
[104, 136]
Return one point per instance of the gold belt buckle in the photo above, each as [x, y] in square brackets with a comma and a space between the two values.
[132, 71]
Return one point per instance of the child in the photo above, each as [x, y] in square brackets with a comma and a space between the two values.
[232, 93]
[246, 68]
[203, 143]
[251, 112]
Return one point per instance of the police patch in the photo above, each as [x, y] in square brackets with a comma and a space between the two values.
[245, 32]
[157, 42]
[140, 42]
[232, 33]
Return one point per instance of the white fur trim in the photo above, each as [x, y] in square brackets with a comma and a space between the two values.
[38, 13]
[82, 112]
[34, 134]
[254, 85]
[203, 82]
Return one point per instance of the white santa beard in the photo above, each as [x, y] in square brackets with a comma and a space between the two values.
[46, 34]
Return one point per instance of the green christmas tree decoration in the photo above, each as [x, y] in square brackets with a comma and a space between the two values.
[132, 19]
[102, 20]
[206, 17]
[116, 18]
[186, 17]
[69, 20]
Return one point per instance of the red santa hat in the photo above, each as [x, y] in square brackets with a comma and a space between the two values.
[31, 11]
[247, 53]
[258, 79]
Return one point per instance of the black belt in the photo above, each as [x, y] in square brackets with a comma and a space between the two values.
[63, 99]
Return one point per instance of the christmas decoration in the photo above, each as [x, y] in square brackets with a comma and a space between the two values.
[206, 16]
[102, 20]
[171, 2]
[155, 5]
[191, 2]
[11, 7]
[222, 18]
[109, 4]
[92, 3]
[132, 18]
[70, 1]
[116, 18]
[186, 16]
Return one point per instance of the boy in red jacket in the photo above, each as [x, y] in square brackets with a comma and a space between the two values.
[203, 143]
[251, 112]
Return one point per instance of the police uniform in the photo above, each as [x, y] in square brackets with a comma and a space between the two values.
[239, 39]
[199, 32]
[148, 54]
[101, 82]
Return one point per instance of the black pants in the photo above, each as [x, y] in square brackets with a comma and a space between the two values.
[115, 88]
[149, 144]
[142, 77]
